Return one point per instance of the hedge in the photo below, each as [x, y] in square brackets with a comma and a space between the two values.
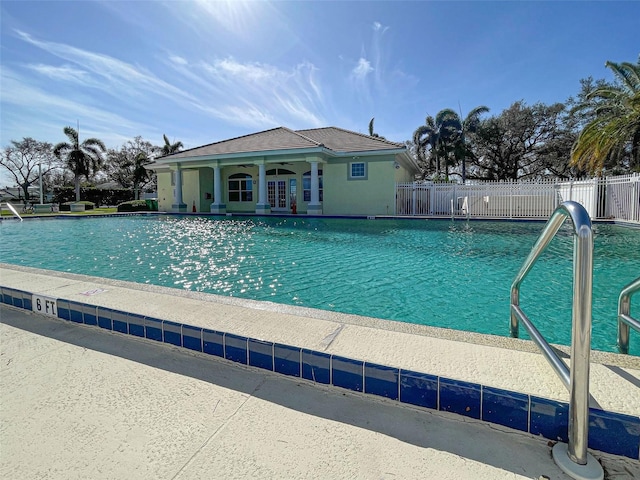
[134, 206]
[66, 207]
[95, 195]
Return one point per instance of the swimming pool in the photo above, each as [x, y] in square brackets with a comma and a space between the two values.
[436, 272]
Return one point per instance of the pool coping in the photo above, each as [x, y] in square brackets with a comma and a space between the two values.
[339, 353]
[604, 221]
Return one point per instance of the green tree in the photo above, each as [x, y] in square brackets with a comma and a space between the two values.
[83, 159]
[426, 138]
[613, 135]
[168, 148]
[454, 132]
[25, 159]
[517, 143]
[126, 165]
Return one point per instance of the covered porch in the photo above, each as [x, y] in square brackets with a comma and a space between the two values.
[258, 186]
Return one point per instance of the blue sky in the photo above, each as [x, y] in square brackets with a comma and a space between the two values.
[206, 71]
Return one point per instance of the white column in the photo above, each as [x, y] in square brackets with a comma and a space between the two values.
[262, 206]
[314, 207]
[217, 206]
[178, 204]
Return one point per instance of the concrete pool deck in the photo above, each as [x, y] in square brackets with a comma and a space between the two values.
[496, 362]
[77, 405]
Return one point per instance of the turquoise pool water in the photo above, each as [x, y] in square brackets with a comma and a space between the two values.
[436, 272]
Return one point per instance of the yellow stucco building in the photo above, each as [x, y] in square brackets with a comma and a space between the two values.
[322, 171]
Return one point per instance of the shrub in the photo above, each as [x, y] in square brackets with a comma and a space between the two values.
[134, 206]
[96, 195]
[66, 207]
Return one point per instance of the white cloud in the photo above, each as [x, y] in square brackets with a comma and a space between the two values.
[362, 69]
[178, 60]
[377, 26]
[32, 100]
[65, 72]
[117, 77]
[250, 94]
[257, 95]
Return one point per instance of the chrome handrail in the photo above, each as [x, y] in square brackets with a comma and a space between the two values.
[625, 320]
[576, 379]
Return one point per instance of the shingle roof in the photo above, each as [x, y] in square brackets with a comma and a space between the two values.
[282, 138]
[340, 140]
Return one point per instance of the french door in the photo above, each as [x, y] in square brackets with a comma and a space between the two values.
[277, 194]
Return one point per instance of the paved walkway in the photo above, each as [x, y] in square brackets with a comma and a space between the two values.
[77, 403]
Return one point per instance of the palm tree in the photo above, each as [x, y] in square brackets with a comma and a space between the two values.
[428, 135]
[371, 132]
[614, 132]
[140, 174]
[81, 158]
[168, 148]
[445, 136]
[454, 131]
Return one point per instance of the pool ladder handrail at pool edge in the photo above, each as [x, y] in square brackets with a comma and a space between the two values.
[576, 462]
[625, 320]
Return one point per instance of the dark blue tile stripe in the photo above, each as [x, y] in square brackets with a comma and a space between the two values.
[609, 432]
[460, 397]
[347, 373]
[261, 354]
[192, 338]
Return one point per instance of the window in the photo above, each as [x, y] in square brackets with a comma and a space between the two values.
[240, 188]
[306, 186]
[173, 178]
[357, 171]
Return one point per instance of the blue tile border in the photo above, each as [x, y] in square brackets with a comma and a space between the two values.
[505, 408]
[172, 333]
[120, 321]
[76, 313]
[381, 380]
[460, 397]
[261, 354]
[63, 310]
[104, 317]
[316, 366]
[609, 432]
[549, 418]
[213, 342]
[235, 348]
[420, 389]
[287, 360]
[90, 315]
[153, 329]
[614, 433]
[347, 373]
[192, 338]
[136, 324]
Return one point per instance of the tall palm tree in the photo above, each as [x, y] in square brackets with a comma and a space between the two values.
[168, 148]
[428, 135]
[81, 158]
[454, 130]
[614, 132]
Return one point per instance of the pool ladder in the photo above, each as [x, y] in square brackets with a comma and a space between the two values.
[625, 320]
[573, 457]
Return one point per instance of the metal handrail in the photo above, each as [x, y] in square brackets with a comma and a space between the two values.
[576, 379]
[625, 320]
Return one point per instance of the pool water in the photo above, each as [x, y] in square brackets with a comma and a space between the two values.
[434, 272]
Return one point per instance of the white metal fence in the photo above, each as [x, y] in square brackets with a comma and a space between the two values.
[610, 197]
